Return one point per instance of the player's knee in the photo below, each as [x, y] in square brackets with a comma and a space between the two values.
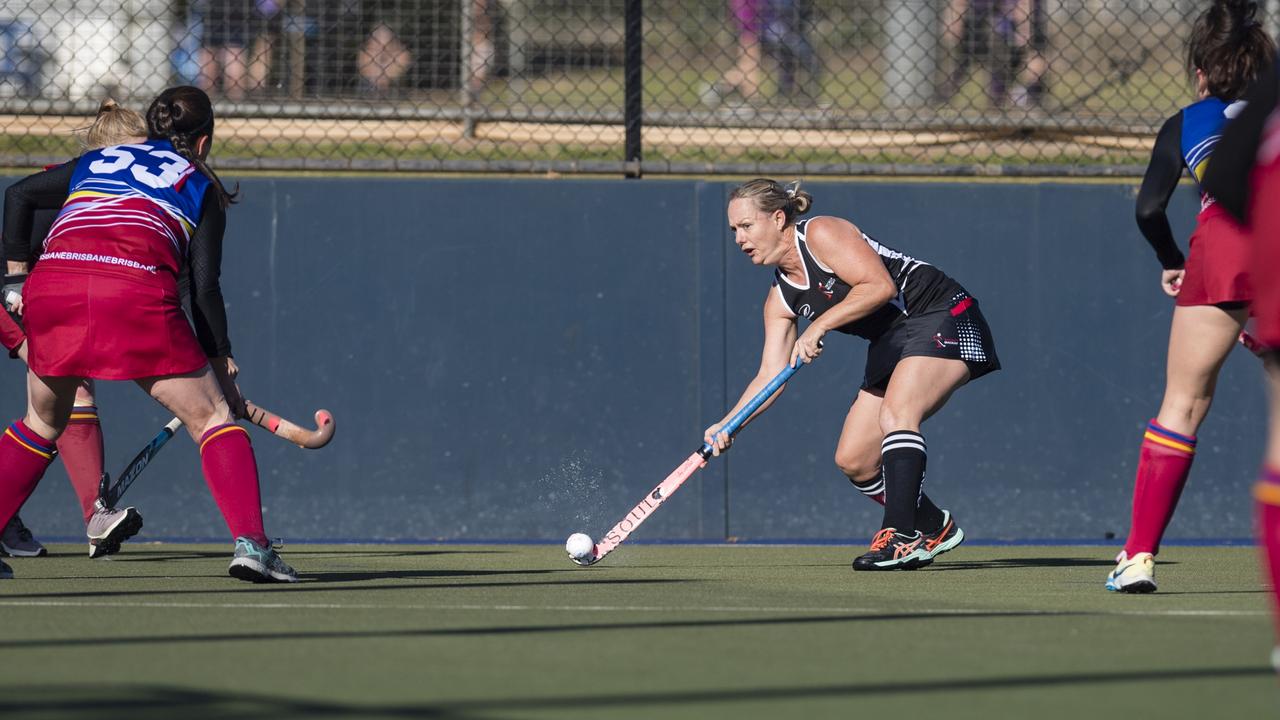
[205, 418]
[858, 467]
[892, 417]
[48, 428]
[1184, 413]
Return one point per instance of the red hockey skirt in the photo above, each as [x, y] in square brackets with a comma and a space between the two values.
[1218, 265]
[1265, 223]
[106, 326]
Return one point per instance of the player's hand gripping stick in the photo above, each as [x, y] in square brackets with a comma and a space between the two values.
[692, 464]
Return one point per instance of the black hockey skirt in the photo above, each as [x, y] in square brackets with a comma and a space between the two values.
[957, 333]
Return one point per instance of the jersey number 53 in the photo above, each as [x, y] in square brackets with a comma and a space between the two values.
[148, 165]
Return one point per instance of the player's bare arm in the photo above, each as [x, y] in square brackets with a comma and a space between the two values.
[839, 244]
[779, 339]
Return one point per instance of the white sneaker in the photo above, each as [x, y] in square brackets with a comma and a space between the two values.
[1133, 575]
[16, 540]
[109, 527]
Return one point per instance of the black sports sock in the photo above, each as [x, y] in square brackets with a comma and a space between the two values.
[902, 457]
[928, 516]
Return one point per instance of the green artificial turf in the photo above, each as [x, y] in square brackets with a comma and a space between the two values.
[391, 631]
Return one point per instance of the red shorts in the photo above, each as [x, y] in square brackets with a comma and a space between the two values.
[1265, 223]
[1218, 265]
[106, 326]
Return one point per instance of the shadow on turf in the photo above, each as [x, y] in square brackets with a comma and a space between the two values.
[308, 585]
[167, 555]
[1022, 563]
[144, 702]
[516, 629]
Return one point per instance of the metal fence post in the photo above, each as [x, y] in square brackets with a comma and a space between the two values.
[911, 29]
[465, 50]
[633, 89]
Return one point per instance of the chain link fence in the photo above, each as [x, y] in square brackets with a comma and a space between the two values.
[697, 86]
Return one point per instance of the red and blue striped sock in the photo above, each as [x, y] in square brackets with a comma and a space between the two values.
[24, 456]
[231, 471]
[1163, 466]
[873, 489]
[80, 447]
[1267, 496]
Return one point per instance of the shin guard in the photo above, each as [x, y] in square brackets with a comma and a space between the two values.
[1163, 466]
[80, 448]
[24, 456]
[231, 471]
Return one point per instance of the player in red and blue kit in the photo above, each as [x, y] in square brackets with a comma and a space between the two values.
[1228, 50]
[80, 446]
[1245, 177]
[927, 338]
[103, 303]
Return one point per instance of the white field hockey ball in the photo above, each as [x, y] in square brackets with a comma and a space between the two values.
[580, 547]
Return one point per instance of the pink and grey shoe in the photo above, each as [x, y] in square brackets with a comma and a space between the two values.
[109, 527]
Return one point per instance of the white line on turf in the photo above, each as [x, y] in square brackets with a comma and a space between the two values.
[633, 608]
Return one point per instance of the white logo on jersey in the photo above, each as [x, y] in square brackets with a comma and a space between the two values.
[806, 312]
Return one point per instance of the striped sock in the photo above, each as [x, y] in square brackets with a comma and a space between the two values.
[231, 471]
[873, 489]
[1266, 494]
[903, 456]
[24, 456]
[80, 447]
[1163, 466]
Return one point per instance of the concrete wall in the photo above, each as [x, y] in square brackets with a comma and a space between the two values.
[524, 358]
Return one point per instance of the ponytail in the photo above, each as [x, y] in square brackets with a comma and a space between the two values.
[182, 115]
[770, 196]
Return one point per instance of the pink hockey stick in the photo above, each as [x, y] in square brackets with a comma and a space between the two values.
[692, 464]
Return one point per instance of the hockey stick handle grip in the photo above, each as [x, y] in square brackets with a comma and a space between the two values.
[302, 437]
[735, 423]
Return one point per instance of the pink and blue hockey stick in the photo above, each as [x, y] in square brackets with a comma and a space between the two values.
[692, 464]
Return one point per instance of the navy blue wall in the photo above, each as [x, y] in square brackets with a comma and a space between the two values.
[525, 358]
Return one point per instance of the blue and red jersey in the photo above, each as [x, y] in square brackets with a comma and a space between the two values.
[131, 208]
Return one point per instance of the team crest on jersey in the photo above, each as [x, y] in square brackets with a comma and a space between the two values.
[942, 342]
[806, 312]
[827, 286]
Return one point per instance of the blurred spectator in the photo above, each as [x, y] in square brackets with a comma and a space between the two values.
[21, 58]
[483, 52]
[1008, 36]
[383, 60]
[184, 59]
[749, 20]
[787, 39]
[237, 45]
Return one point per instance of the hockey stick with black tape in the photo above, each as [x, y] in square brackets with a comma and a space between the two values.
[109, 494]
[300, 436]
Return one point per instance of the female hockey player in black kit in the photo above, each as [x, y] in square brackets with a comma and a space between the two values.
[927, 339]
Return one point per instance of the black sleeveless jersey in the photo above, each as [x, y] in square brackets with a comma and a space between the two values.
[922, 288]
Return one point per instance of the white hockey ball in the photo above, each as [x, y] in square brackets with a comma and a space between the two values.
[581, 548]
